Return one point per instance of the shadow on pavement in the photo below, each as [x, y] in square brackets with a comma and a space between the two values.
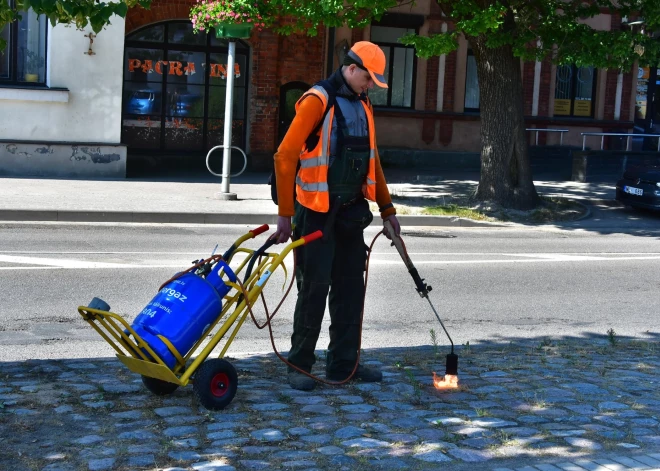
[605, 214]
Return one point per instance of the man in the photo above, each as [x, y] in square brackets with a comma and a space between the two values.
[339, 169]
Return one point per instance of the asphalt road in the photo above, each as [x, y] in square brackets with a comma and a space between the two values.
[488, 284]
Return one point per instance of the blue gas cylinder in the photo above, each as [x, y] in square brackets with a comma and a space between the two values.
[182, 311]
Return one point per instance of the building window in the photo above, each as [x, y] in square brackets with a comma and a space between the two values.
[471, 102]
[399, 69]
[175, 86]
[23, 61]
[574, 91]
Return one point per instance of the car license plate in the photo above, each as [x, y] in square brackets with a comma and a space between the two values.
[633, 191]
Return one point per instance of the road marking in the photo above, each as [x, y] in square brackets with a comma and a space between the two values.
[43, 263]
[50, 252]
[522, 254]
[392, 252]
[60, 263]
[559, 258]
[82, 267]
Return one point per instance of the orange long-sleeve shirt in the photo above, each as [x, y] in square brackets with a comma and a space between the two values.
[308, 116]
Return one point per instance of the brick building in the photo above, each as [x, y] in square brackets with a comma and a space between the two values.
[155, 88]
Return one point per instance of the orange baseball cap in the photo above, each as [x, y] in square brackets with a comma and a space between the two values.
[371, 58]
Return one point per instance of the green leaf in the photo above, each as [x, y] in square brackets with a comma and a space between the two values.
[54, 18]
[431, 46]
[45, 6]
[97, 22]
[121, 9]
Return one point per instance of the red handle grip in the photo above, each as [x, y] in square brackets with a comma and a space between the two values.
[259, 230]
[312, 237]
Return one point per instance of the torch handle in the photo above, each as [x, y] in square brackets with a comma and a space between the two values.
[422, 288]
[398, 243]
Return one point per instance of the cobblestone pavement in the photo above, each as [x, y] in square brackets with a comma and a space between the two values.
[571, 404]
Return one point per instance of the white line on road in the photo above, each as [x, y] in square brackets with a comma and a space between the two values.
[55, 263]
[559, 258]
[519, 254]
[392, 252]
[50, 252]
[82, 267]
[59, 263]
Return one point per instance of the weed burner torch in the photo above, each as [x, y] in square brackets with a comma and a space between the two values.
[423, 289]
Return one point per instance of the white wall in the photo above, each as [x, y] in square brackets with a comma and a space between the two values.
[91, 111]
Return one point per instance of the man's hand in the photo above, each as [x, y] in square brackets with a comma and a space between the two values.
[395, 225]
[283, 233]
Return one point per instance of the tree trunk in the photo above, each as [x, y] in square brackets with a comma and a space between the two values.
[506, 177]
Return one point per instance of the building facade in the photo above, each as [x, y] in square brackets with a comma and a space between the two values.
[150, 87]
[60, 100]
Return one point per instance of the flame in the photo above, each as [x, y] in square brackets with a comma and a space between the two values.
[446, 382]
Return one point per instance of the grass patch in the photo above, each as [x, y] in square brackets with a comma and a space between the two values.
[556, 209]
[550, 209]
[456, 210]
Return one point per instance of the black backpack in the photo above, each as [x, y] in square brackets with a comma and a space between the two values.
[312, 139]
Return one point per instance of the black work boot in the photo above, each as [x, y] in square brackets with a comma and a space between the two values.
[300, 381]
[363, 374]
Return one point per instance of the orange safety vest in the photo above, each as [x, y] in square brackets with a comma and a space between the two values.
[312, 180]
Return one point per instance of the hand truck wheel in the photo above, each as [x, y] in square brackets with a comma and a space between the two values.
[158, 386]
[215, 384]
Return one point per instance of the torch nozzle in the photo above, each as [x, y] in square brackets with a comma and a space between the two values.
[452, 364]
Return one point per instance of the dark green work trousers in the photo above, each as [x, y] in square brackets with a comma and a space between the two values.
[335, 265]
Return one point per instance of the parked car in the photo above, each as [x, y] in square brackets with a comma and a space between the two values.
[143, 102]
[640, 187]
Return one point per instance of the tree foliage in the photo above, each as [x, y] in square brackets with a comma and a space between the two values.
[559, 28]
[80, 13]
[533, 28]
[306, 16]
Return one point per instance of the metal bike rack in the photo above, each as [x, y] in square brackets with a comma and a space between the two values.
[223, 175]
[603, 134]
[537, 130]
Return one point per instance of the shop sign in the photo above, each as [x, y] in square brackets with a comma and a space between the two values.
[582, 108]
[641, 95]
[562, 106]
[149, 66]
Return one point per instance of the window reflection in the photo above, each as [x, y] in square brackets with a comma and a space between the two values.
[174, 92]
[399, 67]
[24, 58]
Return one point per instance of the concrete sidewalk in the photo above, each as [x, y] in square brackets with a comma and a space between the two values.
[193, 200]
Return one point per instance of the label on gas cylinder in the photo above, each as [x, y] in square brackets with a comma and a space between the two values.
[172, 293]
[148, 311]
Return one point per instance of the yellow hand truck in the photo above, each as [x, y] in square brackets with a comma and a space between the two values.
[163, 367]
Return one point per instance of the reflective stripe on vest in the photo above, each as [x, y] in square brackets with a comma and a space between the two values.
[311, 186]
[369, 188]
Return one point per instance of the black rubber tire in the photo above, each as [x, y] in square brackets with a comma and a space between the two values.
[158, 386]
[215, 385]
